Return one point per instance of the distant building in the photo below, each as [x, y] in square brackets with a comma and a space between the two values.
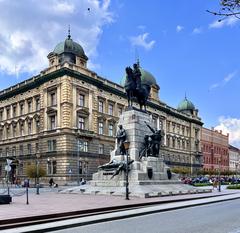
[66, 118]
[234, 158]
[215, 150]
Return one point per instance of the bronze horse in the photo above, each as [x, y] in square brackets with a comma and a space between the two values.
[140, 94]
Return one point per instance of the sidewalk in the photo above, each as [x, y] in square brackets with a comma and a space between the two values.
[53, 203]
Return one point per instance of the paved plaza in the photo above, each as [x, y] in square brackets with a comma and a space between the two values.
[51, 202]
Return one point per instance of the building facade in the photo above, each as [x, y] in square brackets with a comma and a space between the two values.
[234, 159]
[66, 118]
[215, 150]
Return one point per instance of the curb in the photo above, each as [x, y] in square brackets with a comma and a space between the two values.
[33, 220]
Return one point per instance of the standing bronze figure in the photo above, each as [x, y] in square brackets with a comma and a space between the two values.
[121, 138]
[152, 143]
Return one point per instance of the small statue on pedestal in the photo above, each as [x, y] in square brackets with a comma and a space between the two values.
[121, 138]
[151, 143]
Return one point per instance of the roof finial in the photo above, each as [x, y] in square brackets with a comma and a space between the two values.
[185, 95]
[69, 32]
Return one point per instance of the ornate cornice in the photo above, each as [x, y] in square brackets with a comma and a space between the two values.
[101, 83]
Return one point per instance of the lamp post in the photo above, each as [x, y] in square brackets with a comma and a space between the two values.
[219, 173]
[126, 146]
[37, 186]
[236, 165]
[78, 165]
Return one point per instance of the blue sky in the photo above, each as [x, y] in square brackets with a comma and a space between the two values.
[182, 45]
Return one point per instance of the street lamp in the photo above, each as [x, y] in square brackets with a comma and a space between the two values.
[37, 186]
[126, 146]
[219, 172]
[236, 165]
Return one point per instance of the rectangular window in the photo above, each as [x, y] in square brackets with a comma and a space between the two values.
[100, 127]
[81, 123]
[29, 106]
[101, 149]
[110, 109]
[120, 111]
[29, 149]
[183, 145]
[168, 141]
[21, 129]
[51, 167]
[183, 130]
[52, 122]
[21, 150]
[1, 115]
[81, 100]
[14, 131]
[8, 113]
[7, 132]
[7, 152]
[21, 109]
[52, 145]
[53, 100]
[29, 127]
[100, 106]
[37, 126]
[110, 130]
[168, 126]
[37, 104]
[83, 146]
[14, 109]
[37, 147]
[83, 167]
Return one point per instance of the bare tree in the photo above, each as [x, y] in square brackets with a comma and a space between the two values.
[228, 8]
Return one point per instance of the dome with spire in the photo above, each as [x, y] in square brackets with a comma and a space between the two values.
[146, 77]
[70, 46]
[186, 106]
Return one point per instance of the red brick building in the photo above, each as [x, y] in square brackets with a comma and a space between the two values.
[215, 150]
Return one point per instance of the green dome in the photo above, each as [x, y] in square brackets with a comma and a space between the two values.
[186, 105]
[146, 78]
[69, 46]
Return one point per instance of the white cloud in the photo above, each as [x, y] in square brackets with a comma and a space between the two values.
[141, 27]
[225, 80]
[231, 126]
[179, 28]
[140, 40]
[229, 21]
[30, 31]
[197, 30]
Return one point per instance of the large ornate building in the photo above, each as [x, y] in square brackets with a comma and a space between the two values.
[66, 119]
[234, 159]
[215, 150]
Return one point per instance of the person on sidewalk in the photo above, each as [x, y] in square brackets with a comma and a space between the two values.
[51, 182]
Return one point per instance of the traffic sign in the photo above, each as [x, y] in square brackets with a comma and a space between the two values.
[7, 168]
[9, 161]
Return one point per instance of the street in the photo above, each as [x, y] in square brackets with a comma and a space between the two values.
[221, 217]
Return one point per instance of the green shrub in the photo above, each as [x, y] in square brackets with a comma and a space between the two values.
[233, 186]
[201, 184]
[31, 171]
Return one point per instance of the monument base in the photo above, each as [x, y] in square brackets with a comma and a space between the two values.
[148, 176]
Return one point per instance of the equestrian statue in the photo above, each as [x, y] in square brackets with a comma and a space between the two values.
[134, 88]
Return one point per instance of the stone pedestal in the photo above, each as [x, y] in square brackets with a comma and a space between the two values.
[134, 122]
[147, 176]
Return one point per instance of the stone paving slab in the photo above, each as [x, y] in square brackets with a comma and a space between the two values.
[52, 226]
[52, 203]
